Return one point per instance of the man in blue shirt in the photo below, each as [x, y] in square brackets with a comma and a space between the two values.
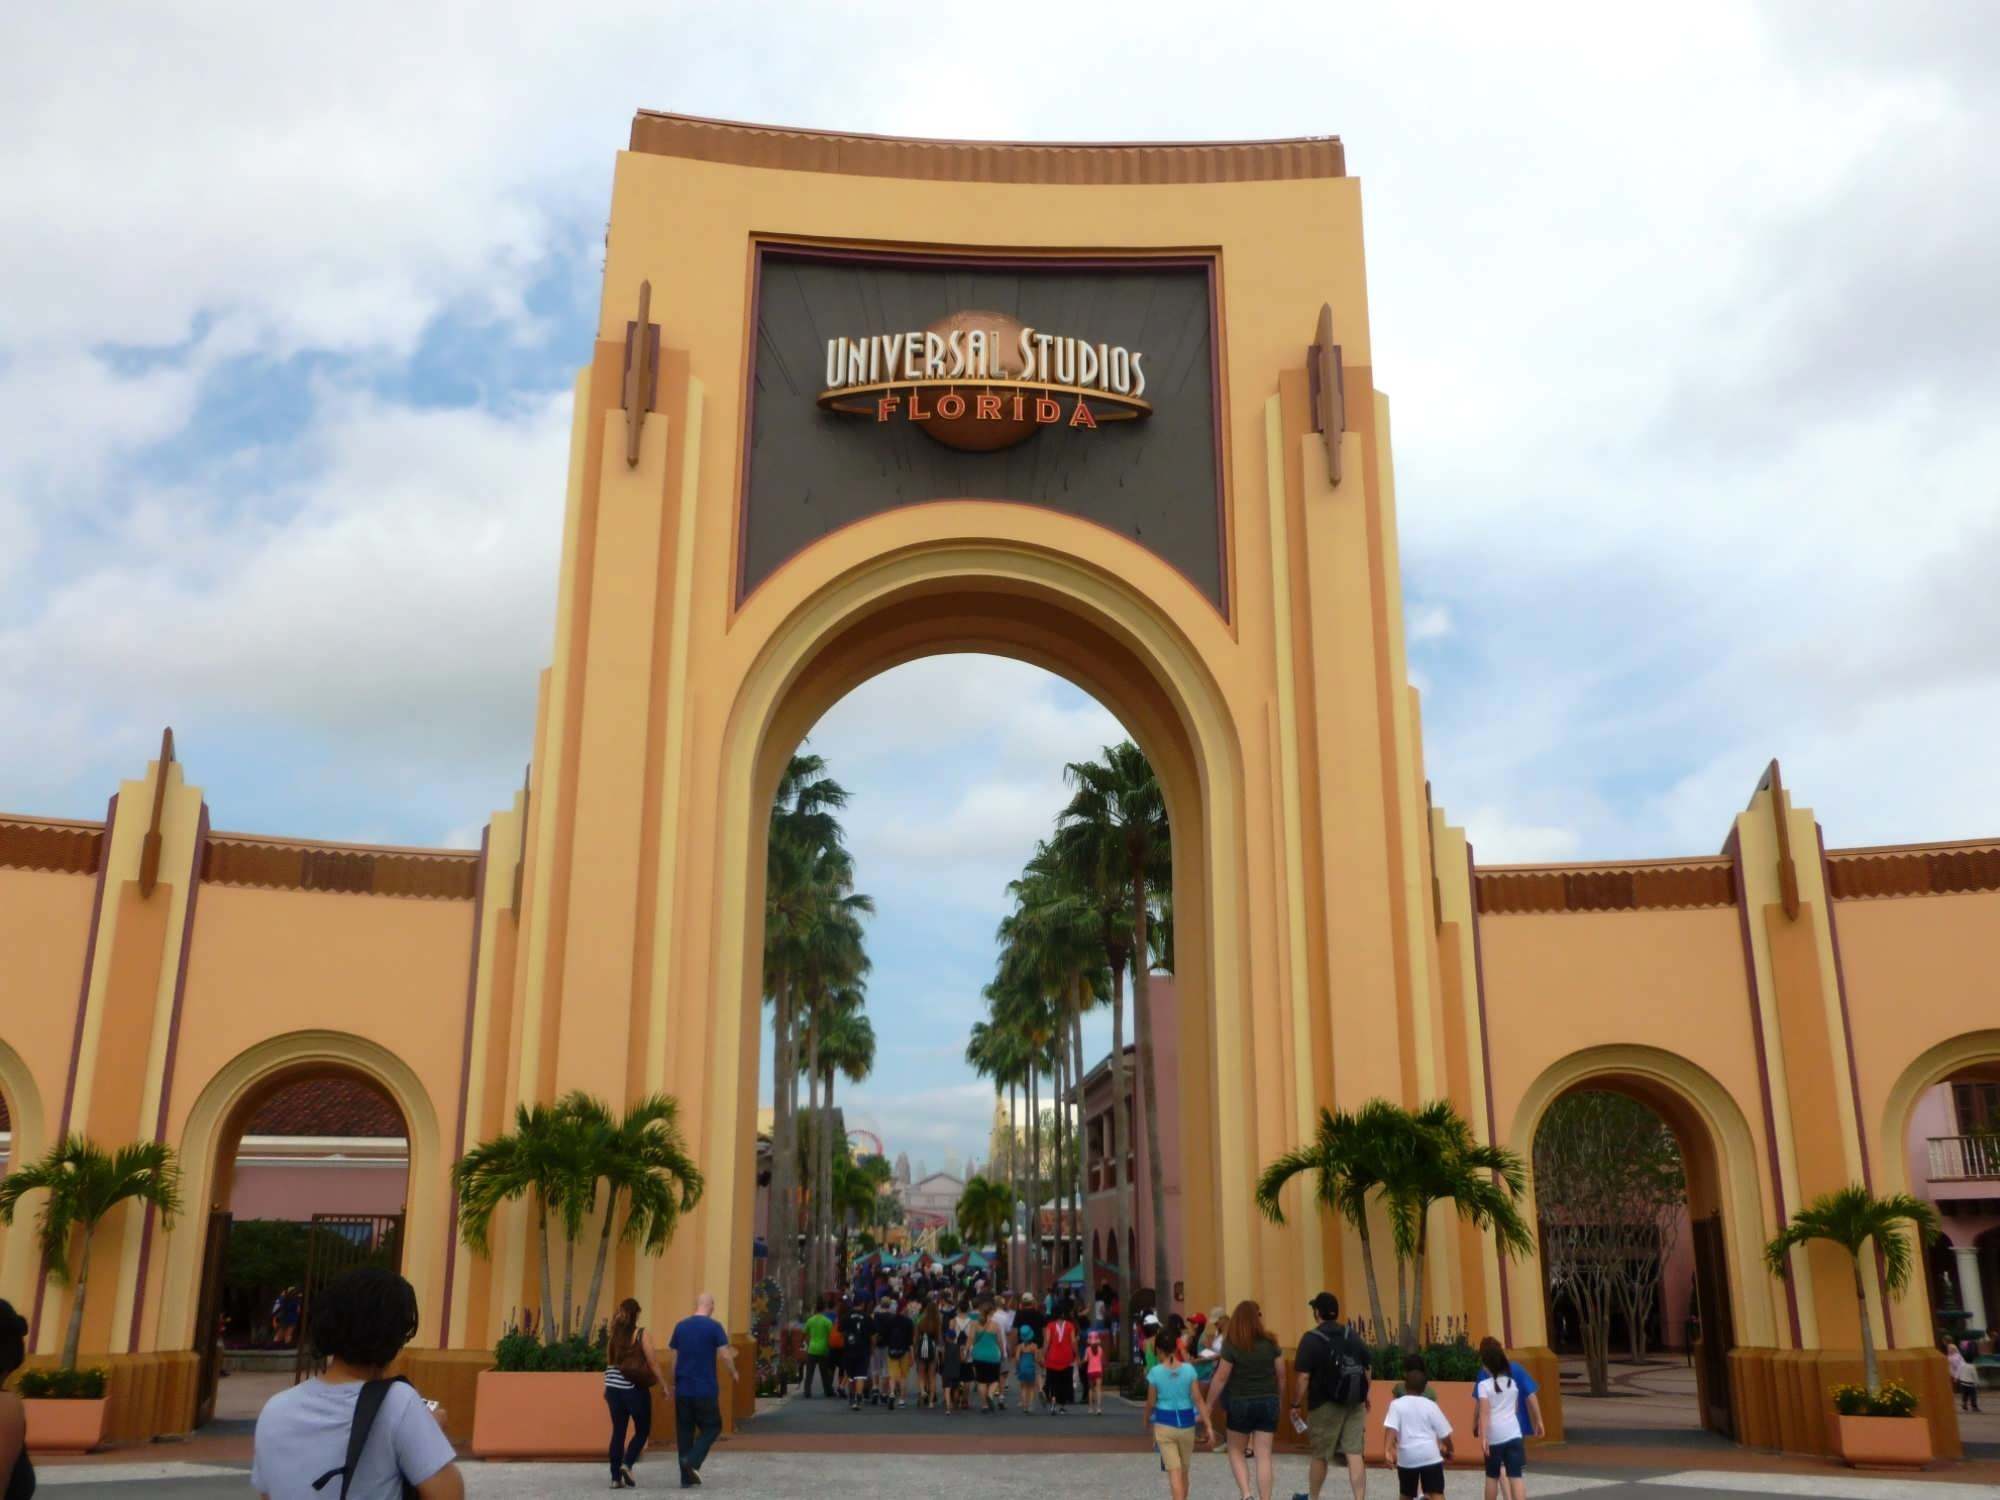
[697, 1342]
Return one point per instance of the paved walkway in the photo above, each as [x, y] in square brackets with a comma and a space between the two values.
[869, 1476]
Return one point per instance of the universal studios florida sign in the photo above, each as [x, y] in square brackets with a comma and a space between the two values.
[984, 380]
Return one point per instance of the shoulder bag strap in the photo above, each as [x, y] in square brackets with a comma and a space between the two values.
[367, 1406]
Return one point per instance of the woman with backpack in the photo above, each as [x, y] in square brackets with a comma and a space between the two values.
[951, 1358]
[930, 1338]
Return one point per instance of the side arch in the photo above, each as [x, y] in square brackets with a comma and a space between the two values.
[1929, 1068]
[217, 1116]
[28, 1139]
[1720, 1153]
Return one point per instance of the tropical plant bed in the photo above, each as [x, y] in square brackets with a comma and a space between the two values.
[65, 1408]
[548, 1414]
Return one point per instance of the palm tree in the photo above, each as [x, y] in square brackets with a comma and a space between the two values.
[996, 1050]
[643, 1156]
[803, 827]
[84, 1183]
[1446, 1163]
[1115, 828]
[985, 1209]
[1850, 1218]
[1348, 1155]
[528, 1161]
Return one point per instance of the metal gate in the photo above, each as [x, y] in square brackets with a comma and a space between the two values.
[208, 1315]
[1718, 1329]
[337, 1243]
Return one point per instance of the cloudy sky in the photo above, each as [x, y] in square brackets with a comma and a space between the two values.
[1688, 316]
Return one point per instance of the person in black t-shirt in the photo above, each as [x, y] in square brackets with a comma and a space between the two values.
[1335, 1431]
[899, 1335]
[857, 1331]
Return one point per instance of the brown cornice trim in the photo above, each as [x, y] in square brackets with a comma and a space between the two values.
[464, 1082]
[63, 846]
[1733, 849]
[340, 869]
[172, 1052]
[1631, 885]
[1913, 870]
[1071, 163]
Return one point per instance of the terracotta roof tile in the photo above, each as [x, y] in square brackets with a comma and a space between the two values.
[327, 1106]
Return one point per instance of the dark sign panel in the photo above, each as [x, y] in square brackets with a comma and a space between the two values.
[1085, 386]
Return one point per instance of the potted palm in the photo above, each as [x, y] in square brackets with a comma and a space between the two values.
[1874, 1424]
[83, 1183]
[544, 1398]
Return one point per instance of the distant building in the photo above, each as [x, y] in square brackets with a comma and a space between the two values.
[932, 1202]
[1100, 1206]
[1954, 1161]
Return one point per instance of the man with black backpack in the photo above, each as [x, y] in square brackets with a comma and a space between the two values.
[376, 1436]
[1332, 1391]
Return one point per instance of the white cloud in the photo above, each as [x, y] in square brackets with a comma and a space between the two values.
[1499, 839]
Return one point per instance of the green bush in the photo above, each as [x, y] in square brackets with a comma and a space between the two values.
[519, 1350]
[1453, 1360]
[63, 1385]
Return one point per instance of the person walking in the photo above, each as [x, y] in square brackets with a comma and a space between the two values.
[17, 1470]
[929, 1349]
[1059, 1354]
[1175, 1406]
[819, 1349]
[1330, 1387]
[1250, 1367]
[857, 1332]
[360, 1322]
[1506, 1413]
[1093, 1373]
[631, 1370]
[1418, 1437]
[989, 1344]
[698, 1342]
[900, 1343]
[1964, 1379]
[951, 1357]
[1027, 1365]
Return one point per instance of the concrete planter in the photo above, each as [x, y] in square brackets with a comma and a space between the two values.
[550, 1414]
[65, 1426]
[1883, 1442]
[1455, 1396]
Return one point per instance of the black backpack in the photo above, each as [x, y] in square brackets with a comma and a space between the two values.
[1339, 1378]
[367, 1406]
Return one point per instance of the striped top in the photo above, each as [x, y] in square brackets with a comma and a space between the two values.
[614, 1378]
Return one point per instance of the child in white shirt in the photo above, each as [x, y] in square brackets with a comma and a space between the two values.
[1419, 1437]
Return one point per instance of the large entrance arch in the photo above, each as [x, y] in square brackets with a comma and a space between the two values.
[1066, 616]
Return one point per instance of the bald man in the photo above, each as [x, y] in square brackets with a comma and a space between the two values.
[697, 1343]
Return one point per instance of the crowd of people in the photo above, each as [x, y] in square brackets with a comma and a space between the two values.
[935, 1340]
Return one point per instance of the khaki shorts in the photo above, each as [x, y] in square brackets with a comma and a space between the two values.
[1334, 1432]
[899, 1366]
[1176, 1445]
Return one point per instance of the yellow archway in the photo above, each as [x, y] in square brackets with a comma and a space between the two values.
[218, 1109]
[1930, 1068]
[1048, 606]
[1722, 1164]
[28, 1140]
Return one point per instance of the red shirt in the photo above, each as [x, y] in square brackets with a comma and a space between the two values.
[1059, 1345]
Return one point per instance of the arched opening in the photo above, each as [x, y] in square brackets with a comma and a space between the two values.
[312, 1172]
[256, 1141]
[1047, 610]
[22, 1139]
[951, 775]
[1951, 1152]
[1937, 1124]
[1645, 1195]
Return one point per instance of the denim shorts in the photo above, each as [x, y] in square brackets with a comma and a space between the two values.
[1511, 1455]
[1254, 1414]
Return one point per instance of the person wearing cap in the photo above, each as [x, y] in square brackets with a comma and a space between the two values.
[1330, 1386]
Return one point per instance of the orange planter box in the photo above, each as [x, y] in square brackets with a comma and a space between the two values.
[540, 1414]
[1455, 1396]
[65, 1426]
[1883, 1442]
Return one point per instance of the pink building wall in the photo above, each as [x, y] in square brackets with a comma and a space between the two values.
[1100, 1208]
[298, 1190]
